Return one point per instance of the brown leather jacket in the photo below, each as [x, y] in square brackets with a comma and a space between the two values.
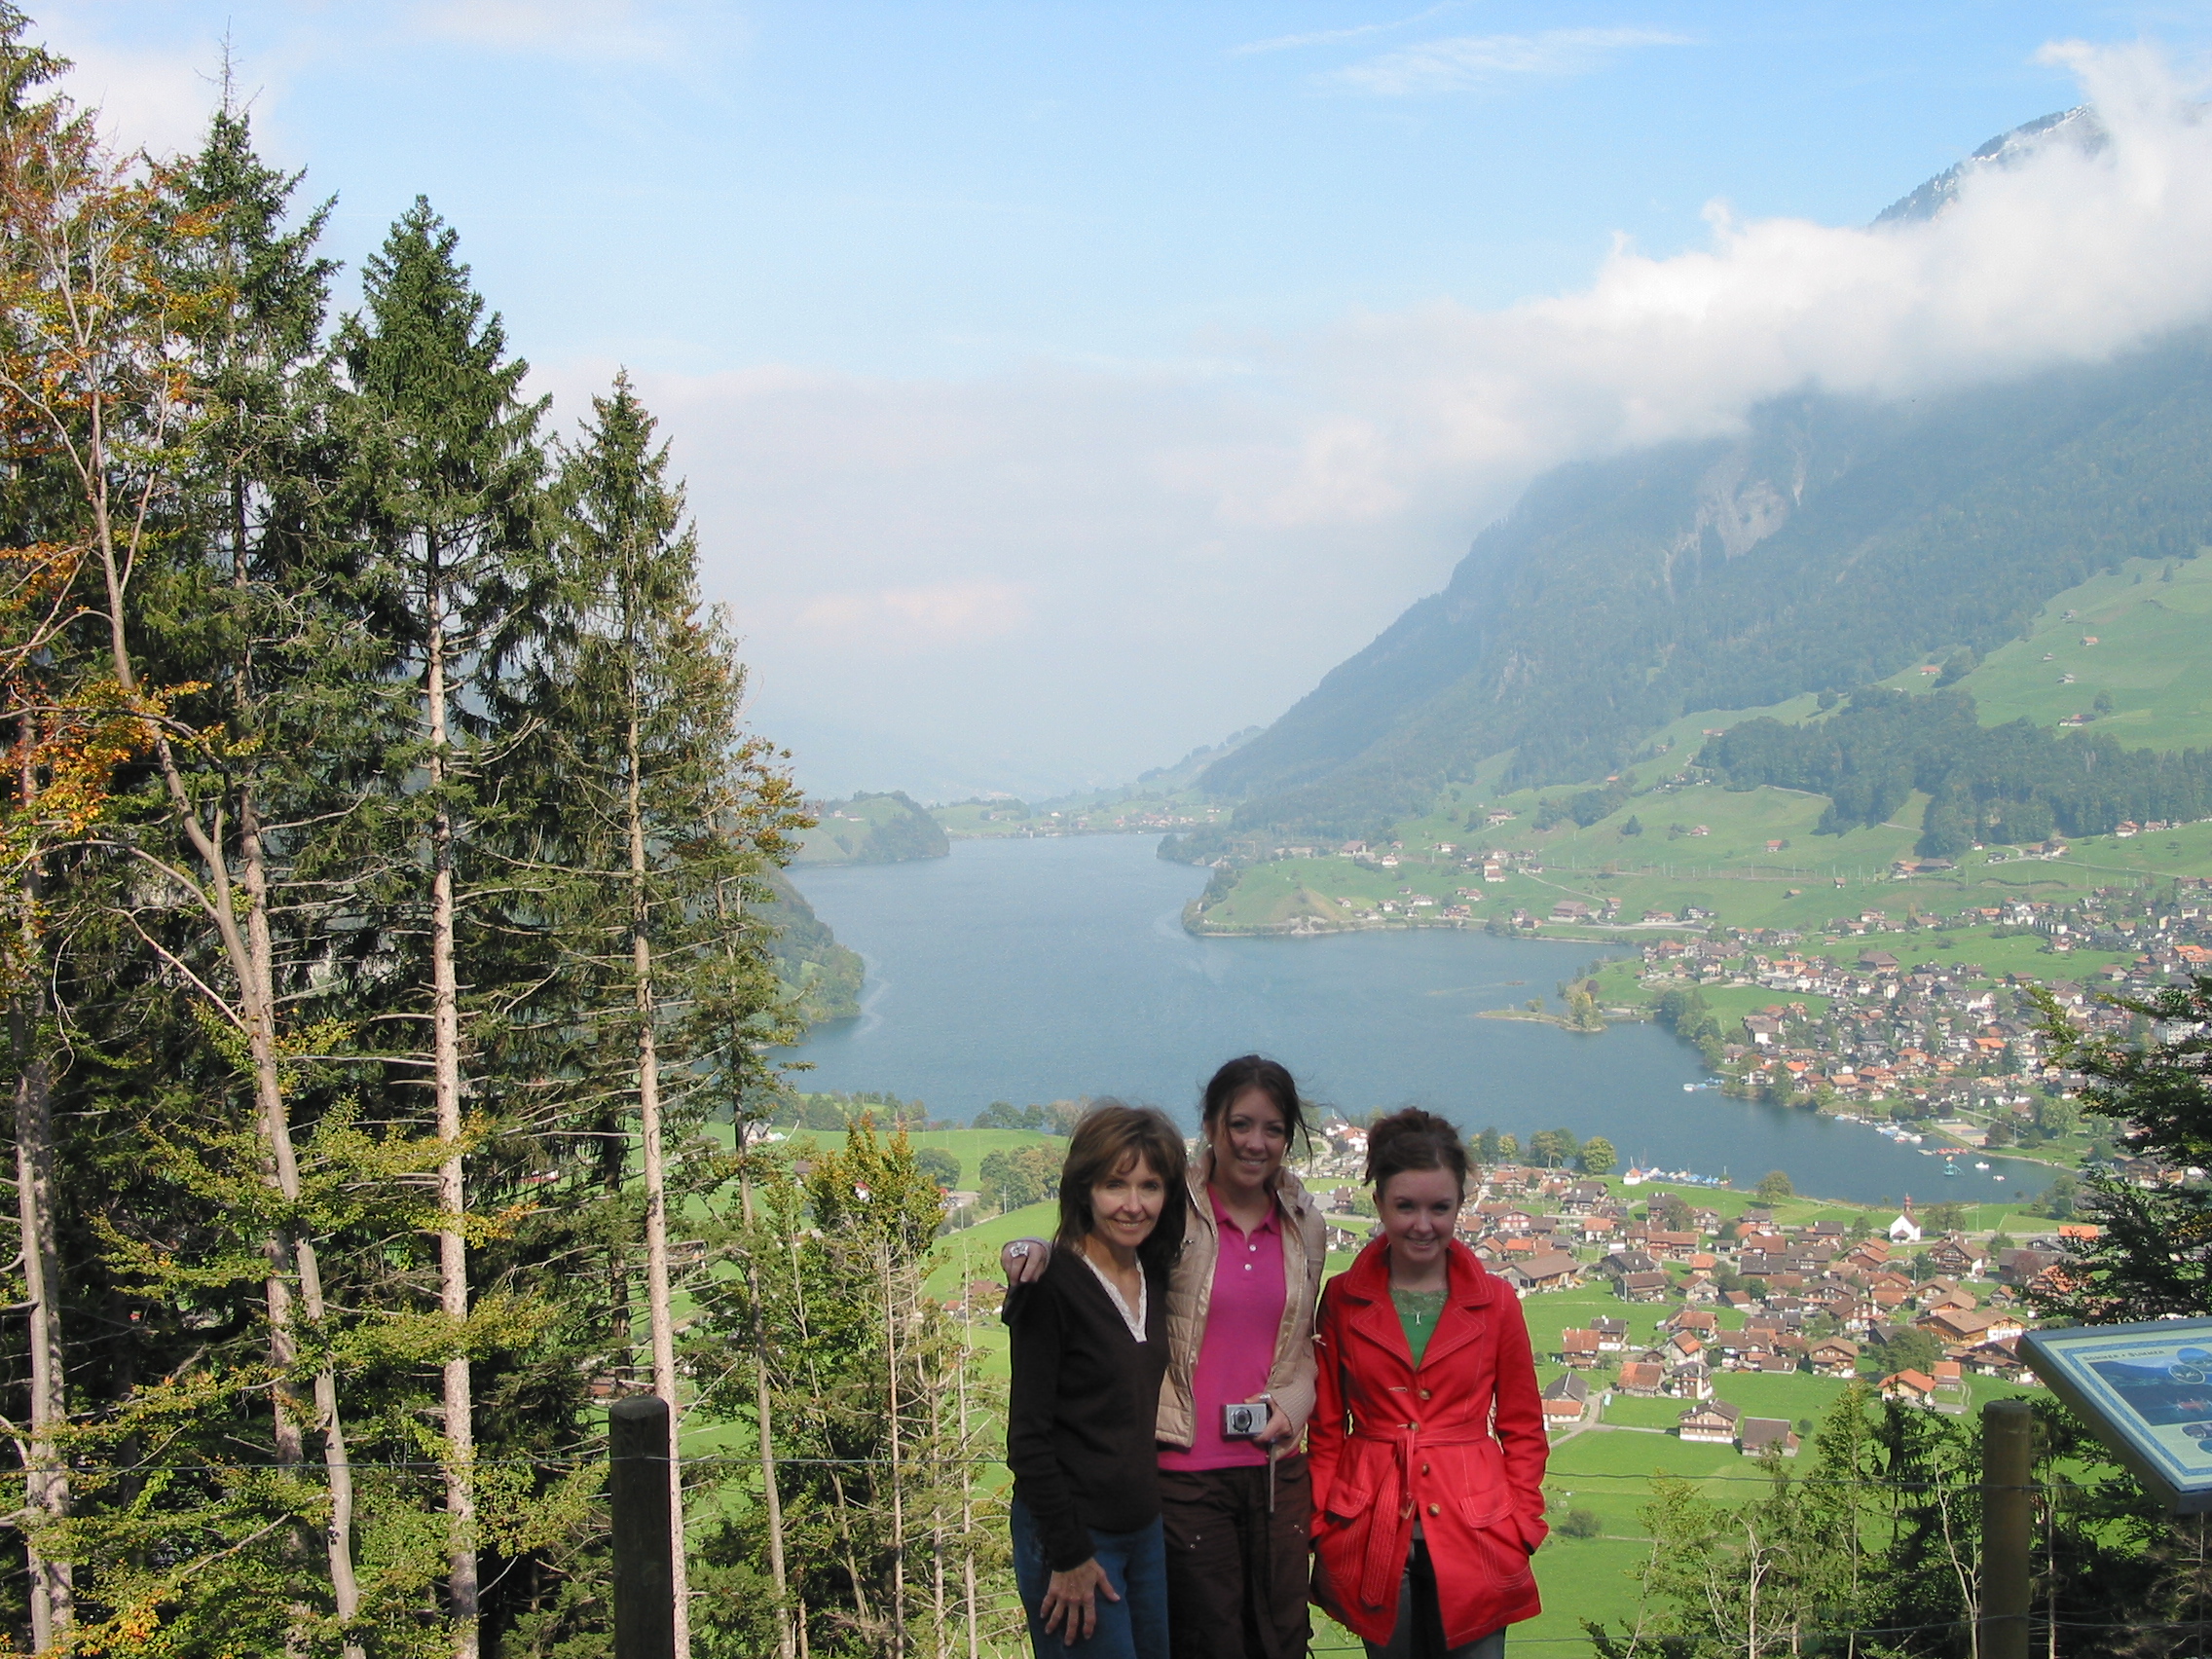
[1190, 1288]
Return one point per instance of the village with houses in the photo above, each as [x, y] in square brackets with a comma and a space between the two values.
[1721, 1321]
[1928, 1047]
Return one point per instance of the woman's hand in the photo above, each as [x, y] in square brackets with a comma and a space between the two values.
[1278, 1432]
[1023, 1260]
[1070, 1602]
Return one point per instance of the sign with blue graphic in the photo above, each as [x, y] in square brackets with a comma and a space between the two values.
[2146, 1390]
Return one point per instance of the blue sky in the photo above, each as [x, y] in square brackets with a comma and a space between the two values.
[1059, 382]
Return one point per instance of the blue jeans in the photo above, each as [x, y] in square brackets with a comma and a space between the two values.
[1136, 1566]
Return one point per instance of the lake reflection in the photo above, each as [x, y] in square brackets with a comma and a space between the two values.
[1045, 970]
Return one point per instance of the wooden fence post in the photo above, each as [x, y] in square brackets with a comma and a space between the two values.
[644, 1577]
[2007, 1529]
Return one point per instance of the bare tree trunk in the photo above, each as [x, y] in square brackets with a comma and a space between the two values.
[463, 1593]
[898, 1486]
[250, 955]
[46, 1486]
[967, 1483]
[771, 1499]
[46, 1493]
[659, 1313]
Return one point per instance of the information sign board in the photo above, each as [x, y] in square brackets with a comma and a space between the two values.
[2146, 1390]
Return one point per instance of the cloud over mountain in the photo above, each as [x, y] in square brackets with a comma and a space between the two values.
[1191, 543]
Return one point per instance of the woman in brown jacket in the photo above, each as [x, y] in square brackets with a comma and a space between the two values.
[1241, 1296]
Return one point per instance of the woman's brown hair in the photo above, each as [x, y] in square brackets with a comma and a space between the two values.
[1109, 1136]
[1414, 1139]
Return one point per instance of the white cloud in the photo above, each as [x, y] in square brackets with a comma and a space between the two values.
[1464, 62]
[586, 29]
[156, 99]
[1330, 37]
[1070, 572]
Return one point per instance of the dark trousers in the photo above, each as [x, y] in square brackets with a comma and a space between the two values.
[1237, 1574]
[1419, 1633]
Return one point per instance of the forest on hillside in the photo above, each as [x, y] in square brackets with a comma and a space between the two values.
[2014, 784]
[387, 950]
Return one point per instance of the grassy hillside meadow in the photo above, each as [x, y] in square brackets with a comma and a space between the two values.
[1751, 856]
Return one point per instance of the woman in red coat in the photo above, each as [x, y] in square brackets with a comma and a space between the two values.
[1427, 1448]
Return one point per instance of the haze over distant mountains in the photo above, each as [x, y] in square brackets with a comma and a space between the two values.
[1836, 541]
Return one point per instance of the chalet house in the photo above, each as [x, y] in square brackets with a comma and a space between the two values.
[1567, 1399]
[1956, 1257]
[1639, 1378]
[1671, 1246]
[1583, 1197]
[1612, 1332]
[1909, 1388]
[1698, 1321]
[1775, 1364]
[1830, 1295]
[2000, 1358]
[1579, 1348]
[1733, 1347]
[1691, 1380]
[1943, 1293]
[1621, 1262]
[1970, 1327]
[1761, 1435]
[1641, 1287]
[1552, 1270]
[1834, 1356]
[1711, 1421]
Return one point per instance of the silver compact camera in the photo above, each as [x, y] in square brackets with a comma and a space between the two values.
[1243, 1419]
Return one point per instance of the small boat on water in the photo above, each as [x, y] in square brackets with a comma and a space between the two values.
[1981, 1166]
[1997, 1177]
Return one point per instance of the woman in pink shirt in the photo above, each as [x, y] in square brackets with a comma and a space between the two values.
[1233, 1489]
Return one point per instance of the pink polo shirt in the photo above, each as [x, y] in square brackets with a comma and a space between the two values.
[1238, 1348]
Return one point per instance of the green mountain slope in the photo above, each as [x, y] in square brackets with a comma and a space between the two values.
[1834, 544]
[821, 975]
[872, 829]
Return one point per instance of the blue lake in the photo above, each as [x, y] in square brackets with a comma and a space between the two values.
[1046, 970]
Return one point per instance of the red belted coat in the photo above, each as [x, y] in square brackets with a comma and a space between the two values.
[1459, 1444]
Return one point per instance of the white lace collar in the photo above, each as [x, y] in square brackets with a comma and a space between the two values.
[1135, 1321]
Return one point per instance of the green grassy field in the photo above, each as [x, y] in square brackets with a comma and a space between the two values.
[2152, 655]
[970, 1146]
[1718, 849]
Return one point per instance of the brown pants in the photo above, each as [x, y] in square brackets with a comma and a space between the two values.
[1237, 1575]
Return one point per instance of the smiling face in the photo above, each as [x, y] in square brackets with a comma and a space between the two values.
[1126, 1206]
[1248, 1140]
[1419, 1208]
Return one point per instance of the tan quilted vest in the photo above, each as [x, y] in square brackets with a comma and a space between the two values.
[1190, 1287]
